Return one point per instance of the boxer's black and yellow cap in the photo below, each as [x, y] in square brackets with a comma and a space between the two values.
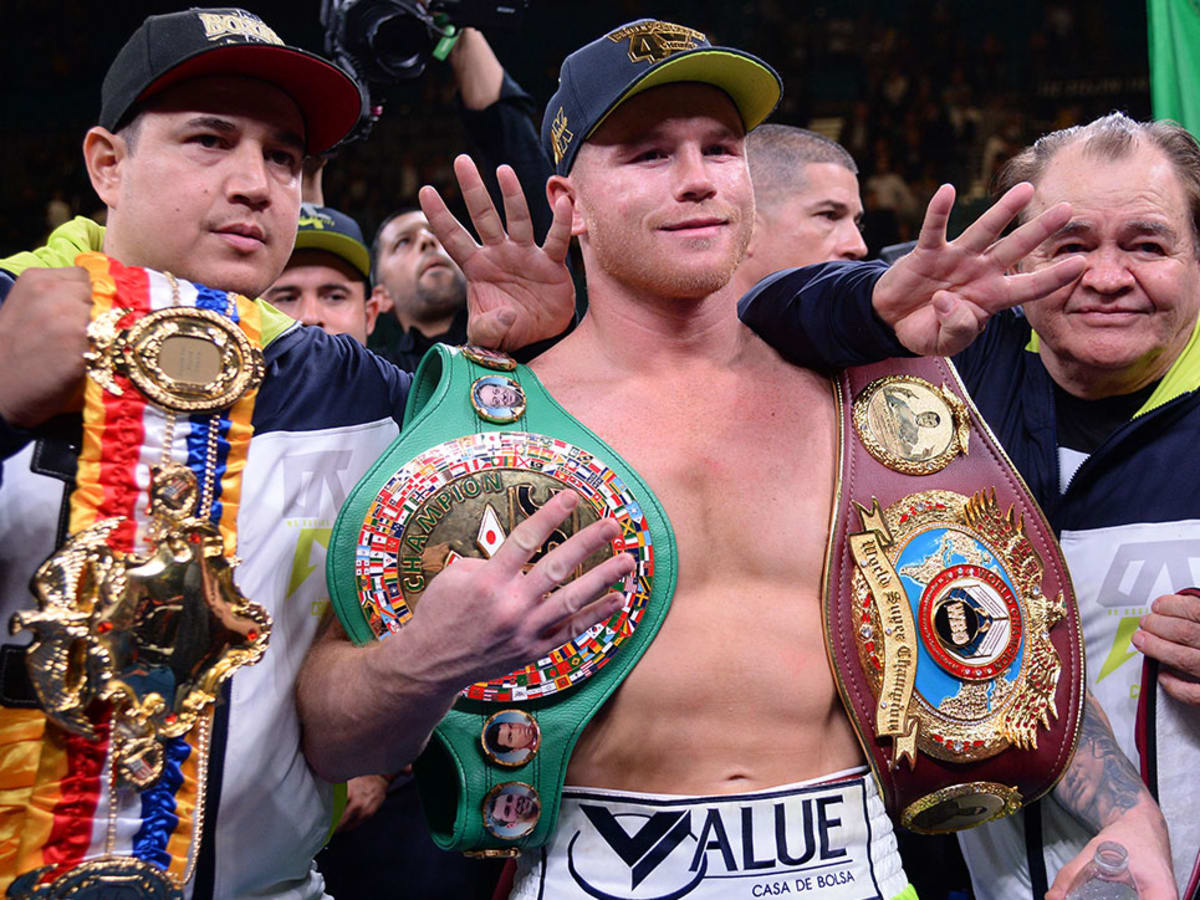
[324, 228]
[168, 49]
[600, 76]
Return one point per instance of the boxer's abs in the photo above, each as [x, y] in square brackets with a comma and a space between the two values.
[734, 695]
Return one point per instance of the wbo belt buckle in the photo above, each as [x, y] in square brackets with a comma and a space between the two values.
[953, 633]
[154, 634]
[184, 359]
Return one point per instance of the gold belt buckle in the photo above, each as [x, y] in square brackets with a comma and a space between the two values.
[184, 359]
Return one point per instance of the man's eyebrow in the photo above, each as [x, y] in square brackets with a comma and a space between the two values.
[291, 139]
[1073, 229]
[1143, 226]
[283, 136]
[1138, 226]
[216, 123]
[724, 131]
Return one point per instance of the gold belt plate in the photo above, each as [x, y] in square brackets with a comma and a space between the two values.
[182, 358]
[952, 626]
[107, 878]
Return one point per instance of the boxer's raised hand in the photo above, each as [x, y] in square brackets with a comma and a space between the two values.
[517, 292]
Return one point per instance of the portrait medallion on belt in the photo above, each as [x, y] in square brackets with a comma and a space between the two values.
[510, 737]
[511, 810]
[489, 359]
[952, 627]
[911, 426]
[498, 399]
[462, 498]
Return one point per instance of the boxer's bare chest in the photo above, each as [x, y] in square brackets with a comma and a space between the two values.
[742, 459]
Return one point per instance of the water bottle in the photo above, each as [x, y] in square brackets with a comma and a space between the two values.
[1106, 877]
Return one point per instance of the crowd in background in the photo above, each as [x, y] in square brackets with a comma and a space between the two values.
[919, 92]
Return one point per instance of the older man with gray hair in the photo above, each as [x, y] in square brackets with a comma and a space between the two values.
[1095, 393]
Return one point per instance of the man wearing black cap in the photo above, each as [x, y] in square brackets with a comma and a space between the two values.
[327, 280]
[206, 118]
[724, 762]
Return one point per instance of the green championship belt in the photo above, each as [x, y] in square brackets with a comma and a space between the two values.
[483, 447]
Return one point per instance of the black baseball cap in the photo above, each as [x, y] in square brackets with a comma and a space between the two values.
[600, 76]
[324, 228]
[171, 48]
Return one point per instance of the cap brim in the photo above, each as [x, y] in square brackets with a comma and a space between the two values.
[751, 84]
[329, 99]
[337, 244]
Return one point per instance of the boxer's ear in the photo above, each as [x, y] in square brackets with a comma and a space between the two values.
[103, 154]
[558, 186]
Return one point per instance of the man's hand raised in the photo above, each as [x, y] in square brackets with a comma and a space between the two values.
[939, 297]
[517, 292]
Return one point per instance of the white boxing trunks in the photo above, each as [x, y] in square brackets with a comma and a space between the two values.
[828, 838]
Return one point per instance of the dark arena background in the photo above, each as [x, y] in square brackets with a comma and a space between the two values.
[920, 91]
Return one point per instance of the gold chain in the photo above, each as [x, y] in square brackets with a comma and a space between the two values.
[110, 837]
[208, 486]
[168, 438]
[169, 425]
[202, 739]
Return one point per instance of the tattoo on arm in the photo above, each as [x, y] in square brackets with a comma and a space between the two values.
[1101, 783]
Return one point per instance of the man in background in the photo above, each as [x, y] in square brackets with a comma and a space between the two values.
[806, 200]
[420, 291]
[327, 279]
[415, 280]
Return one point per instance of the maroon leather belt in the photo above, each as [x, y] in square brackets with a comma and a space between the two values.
[949, 615]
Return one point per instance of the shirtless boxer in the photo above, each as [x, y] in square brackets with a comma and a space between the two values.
[730, 725]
